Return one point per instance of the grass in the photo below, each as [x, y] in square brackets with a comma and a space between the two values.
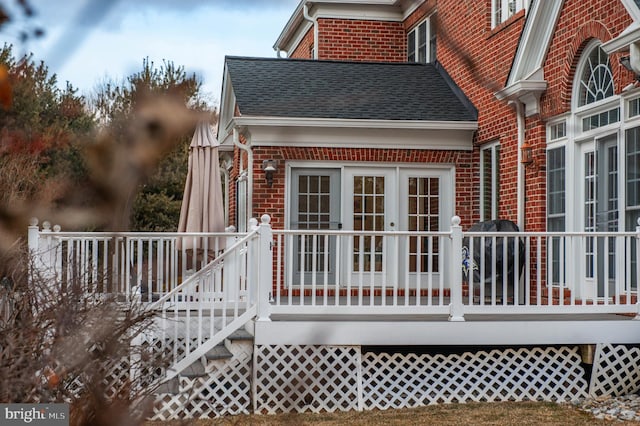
[504, 413]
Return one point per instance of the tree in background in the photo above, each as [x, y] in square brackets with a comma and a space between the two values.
[57, 341]
[42, 129]
[156, 207]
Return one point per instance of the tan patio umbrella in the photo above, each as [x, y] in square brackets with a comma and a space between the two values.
[202, 204]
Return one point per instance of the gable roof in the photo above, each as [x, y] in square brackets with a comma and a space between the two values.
[296, 88]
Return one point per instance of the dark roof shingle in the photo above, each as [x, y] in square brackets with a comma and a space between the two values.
[346, 90]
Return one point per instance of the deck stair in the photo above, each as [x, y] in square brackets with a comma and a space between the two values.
[218, 383]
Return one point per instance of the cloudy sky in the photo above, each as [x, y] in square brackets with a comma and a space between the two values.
[87, 41]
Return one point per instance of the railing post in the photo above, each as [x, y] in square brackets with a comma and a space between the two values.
[230, 272]
[265, 269]
[637, 317]
[456, 313]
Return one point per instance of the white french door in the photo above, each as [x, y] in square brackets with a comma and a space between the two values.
[369, 200]
[600, 214]
[370, 205]
[397, 199]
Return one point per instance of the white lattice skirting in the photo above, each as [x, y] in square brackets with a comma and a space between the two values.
[398, 380]
[616, 370]
[306, 378]
[331, 378]
[299, 378]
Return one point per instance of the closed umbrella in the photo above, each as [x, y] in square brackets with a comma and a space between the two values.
[202, 206]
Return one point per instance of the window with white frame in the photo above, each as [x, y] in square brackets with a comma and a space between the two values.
[632, 157]
[489, 181]
[501, 10]
[421, 41]
[556, 207]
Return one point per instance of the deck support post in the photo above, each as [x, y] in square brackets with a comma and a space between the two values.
[456, 307]
[265, 269]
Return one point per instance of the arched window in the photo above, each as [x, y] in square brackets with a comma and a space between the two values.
[596, 78]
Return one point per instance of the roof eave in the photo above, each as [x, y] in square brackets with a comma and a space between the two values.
[354, 123]
[290, 28]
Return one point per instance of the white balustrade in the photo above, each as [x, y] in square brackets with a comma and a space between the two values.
[331, 272]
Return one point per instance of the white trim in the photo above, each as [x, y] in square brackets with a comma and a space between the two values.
[504, 9]
[416, 331]
[575, 92]
[416, 37]
[632, 8]
[526, 81]
[534, 42]
[355, 123]
[621, 43]
[227, 107]
[374, 10]
[360, 137]
[300, 34]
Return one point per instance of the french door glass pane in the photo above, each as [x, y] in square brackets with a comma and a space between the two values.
[589, 208]
[424, 213]
[313, 213]
[368, 215]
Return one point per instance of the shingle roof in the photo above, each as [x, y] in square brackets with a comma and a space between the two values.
[346, 90]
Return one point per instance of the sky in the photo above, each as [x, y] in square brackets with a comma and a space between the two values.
[88, 42]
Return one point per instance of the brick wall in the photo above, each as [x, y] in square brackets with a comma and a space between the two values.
[303, 50]
[270, 200]
[479, 59]
[577, 25]
[361, 40]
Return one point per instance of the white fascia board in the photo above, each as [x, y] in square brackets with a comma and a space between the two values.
[536, 36]
[355, 123]
[293, 24]
[632, 8]
[621, 43]
[363, 137]
[295, 38]
[227, 105]
[414, 5]
[362, 11]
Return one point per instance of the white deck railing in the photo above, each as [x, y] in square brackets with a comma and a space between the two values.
[201, 295]
[145, 265]
[350, 273]
[325, 272]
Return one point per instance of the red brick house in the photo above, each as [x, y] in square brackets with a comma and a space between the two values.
[534, 73]
[368, 153]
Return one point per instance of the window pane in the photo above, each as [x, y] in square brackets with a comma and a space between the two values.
[555, 182]
[633, 167]
[490, 185]
[411, 46]
[596, 82]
